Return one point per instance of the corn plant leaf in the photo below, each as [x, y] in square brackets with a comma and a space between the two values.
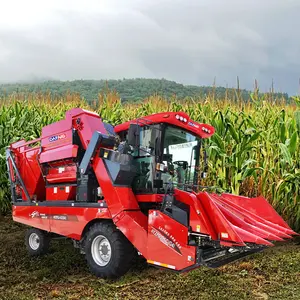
[285, 153]
[254, 137]
[293, 143]
[297, 118]
[218, 140]
[282, 132]
[248, 162]
[233, 132]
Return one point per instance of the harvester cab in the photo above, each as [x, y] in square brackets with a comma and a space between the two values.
[134, 189]
[164, 154]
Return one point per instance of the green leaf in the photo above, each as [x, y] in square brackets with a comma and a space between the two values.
[293, 143]
[285, 153]
[233, 133]
[218, 140]
[254, 137]
[282, 132]
[297, 118]
[248, 162]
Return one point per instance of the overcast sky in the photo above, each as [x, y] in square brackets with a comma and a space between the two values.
[189, 41]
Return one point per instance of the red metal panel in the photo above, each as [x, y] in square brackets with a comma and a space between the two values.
[224, 229]
[32, 215]
[199, 220]
[62, 152]
[238, 220]
[133, 225]
[76, 219]
[60, 133]
[234, 223]
[56, 127]
[26, 161]
[87, 124]
[258, 206]
[167, 242]
[66, 221]
[117, 198]
[254, 219]
[61, 193]
[62, 174]
[149, 198]
[57, 134]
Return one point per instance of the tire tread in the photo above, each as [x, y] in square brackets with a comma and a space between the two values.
[44, 242]
[123, 251]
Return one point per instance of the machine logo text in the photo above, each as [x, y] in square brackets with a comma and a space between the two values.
[58, 137]
[165, 240]
[193, 124]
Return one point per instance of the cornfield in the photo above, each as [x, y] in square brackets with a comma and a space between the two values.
[255, 150]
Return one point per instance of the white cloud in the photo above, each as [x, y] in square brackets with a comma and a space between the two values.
[191, 41]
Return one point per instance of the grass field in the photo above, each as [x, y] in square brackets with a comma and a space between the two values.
[63, 274]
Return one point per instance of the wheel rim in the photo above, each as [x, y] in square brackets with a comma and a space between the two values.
[34, 241]
[101, 250]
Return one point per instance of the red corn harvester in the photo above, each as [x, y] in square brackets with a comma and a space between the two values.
[133, 189]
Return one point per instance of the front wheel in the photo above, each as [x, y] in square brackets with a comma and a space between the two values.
[37, 241]
[108, 252]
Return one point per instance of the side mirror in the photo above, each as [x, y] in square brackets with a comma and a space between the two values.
[133, 137]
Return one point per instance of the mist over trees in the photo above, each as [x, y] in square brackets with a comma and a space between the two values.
[129, 90]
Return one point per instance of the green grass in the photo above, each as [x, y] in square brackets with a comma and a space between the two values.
[63, 274]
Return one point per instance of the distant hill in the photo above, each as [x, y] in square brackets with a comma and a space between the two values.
[132, 90]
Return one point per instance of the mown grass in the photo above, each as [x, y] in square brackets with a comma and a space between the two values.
[63, 274]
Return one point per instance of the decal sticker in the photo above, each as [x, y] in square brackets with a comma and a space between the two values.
[224, 235]
[34, 214]
[182, 146]
[55, 138]
[37, 215]
[60, 170]
[163, 237]
[193, 125]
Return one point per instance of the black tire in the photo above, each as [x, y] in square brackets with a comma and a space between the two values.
[37, 241]
[121, 254]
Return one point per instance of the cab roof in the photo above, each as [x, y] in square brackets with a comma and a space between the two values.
[178, 119]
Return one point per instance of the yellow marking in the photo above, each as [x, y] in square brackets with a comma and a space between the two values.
[198, 228]
[160, 264]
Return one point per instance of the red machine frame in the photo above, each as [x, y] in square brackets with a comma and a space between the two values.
[44, 173]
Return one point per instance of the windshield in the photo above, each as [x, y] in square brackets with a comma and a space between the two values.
[181, 155]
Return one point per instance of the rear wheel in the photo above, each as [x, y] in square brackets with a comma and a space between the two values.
[37, 241]
[108, 252]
